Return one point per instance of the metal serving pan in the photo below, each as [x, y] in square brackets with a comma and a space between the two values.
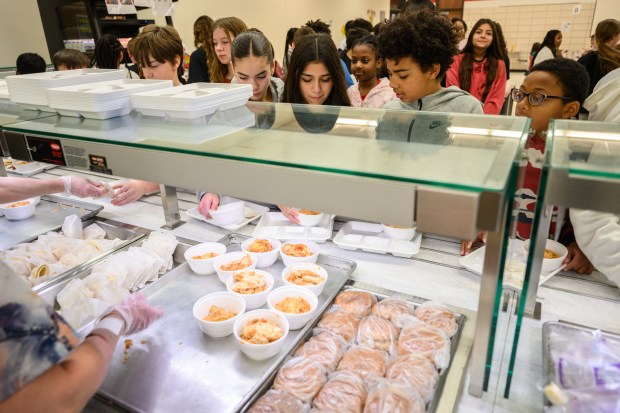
[380, 293]
[129, 233]
[173, 366]
[49, 216]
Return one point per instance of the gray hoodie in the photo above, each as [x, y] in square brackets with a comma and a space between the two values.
[427, 125]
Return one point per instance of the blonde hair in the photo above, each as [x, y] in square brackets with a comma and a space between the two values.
[609, 57]
[232, 26]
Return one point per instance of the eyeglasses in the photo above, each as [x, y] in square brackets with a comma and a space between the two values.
[534, 98]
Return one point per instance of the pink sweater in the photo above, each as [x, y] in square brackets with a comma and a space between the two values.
[495, 99]
[376, 98]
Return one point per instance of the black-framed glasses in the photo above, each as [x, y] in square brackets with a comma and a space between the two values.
[534, 98]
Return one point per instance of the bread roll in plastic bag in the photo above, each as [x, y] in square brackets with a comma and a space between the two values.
[344, 392]
[302, 377]
[416, 371]
[365, 361]
[393, 309]
[389, 396]
[93, 231]
[378, 333]
[278, 401]
[340, 322]
[72, 227]
[356, 302]
[325, 347]
[439, 316]
[420, 338]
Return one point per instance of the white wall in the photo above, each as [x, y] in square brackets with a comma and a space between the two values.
[21, 31]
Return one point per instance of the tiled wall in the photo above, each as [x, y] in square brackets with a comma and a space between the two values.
[526, 24]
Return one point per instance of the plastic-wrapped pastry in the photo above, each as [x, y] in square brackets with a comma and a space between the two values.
[356, 302]
[278, 401]
[72, 227]
[302, 377]
[326, 347]
[437, 315]
[393, 309]
[364, 361]
[378, 333]
[430, 342]
[344, 392]
[93, 231]
[389, 396]
[340, 322]
[417, 371]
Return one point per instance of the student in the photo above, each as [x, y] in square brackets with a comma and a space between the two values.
[109, 55]
[533, 51]
[288, 48]
[28, 63]
[253, 62]
[480, 68]
[220, 63]
[461, 30]
[321, 27]
[70, 59]
[605, 58]
[370, 92]
[315, 73]
[352, 36]
[418, 48]
[198, 67]
[554, 89]
[158, 50]
[549, 47]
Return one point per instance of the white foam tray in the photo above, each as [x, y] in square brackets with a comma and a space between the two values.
[370, 237]
[276, 225]
[29, 168]
[4, 90]
[252, 213]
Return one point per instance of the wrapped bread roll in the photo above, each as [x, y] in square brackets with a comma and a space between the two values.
[430, 342]
[278, 401]
[301, 377]
[416, 371]
[356, 302]
[393, 309]
[364, 361]
[344, 392]
[437, 315]
[326, 347]
[378, 333]
[94, 231]
[340, 322]
[391, 397]
[72, 227]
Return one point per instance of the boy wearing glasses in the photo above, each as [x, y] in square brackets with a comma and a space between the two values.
[554, 89]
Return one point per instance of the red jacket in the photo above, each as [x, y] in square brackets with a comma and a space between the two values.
[495, 99]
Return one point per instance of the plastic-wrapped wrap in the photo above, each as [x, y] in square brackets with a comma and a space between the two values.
[356, 302]
[364, 361]
[439, 316]
[72, 227]
[393, 309]
[378, 333]
[340, 322]
[278, 401]
[417, 371]
[388, 396]
[326, 347]
[344, 392]
[301, 377]
[430, 342]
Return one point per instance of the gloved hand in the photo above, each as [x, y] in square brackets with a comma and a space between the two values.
[82, 187]
[137, 313]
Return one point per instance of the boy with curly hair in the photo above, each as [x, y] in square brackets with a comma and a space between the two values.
[418, 48]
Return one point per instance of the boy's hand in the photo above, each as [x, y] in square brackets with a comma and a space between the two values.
[466, 246]
[577, 261]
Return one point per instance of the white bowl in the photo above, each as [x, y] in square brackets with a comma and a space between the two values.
[225, 259]
[261, 351]
[398, 233]
[228, 301]
[203, 266]
[550, 264]
[19, 213]
[309, 220]
[263, 259]
[315, 289]
[229, 214]
[295, 321]
[290, 260]
[253, 301]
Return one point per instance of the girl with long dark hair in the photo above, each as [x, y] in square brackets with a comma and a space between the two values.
[549, 47]
[480, 69]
